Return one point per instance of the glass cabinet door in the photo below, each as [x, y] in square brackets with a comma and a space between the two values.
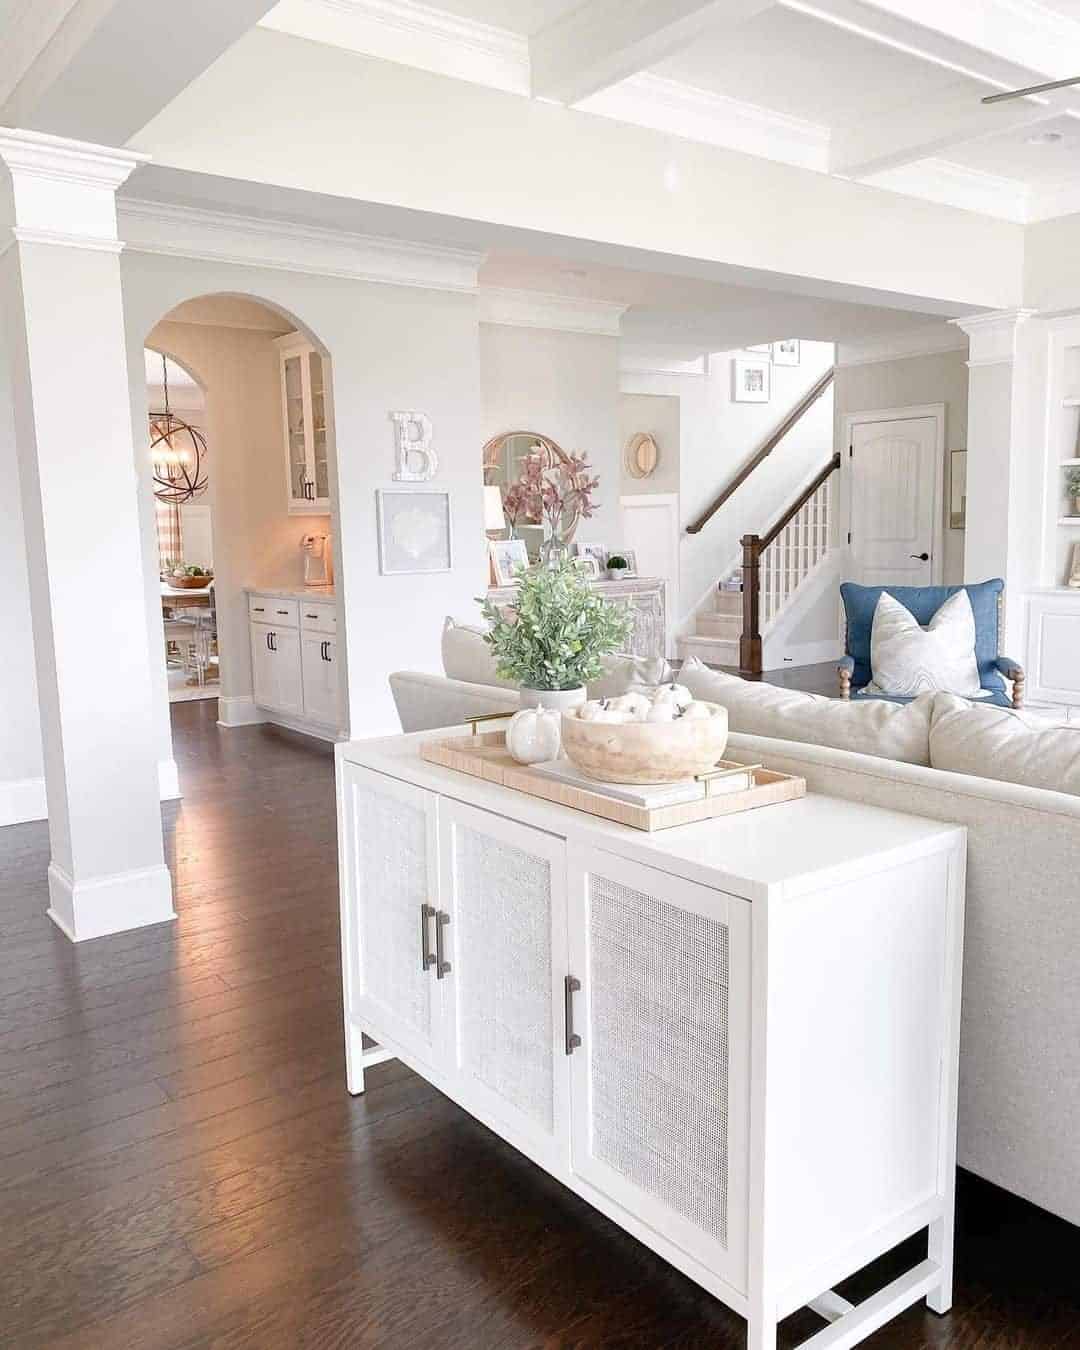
[296, 426]
[318, 427]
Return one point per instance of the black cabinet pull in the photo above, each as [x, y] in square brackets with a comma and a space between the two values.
[284, 613]
[268, 647]
[272, 640]
[570, 988]
[442, 966]
[427, 956]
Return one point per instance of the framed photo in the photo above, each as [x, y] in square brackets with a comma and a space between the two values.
[596, 551]
[751, 380]
[958, 490]
[787, 352]
[765, 348]
[414, 531]
[507, 555]
[587, 565]
[631, 560]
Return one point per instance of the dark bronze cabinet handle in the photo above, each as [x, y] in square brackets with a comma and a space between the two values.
[442, 966]
[571, 986]
[427, 956]
[921, 557]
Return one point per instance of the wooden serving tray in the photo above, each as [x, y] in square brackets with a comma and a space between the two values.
[484, 755]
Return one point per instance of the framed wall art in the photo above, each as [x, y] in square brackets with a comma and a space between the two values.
[414, 531]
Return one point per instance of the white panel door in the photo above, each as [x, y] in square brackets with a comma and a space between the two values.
[650, 528]
[503, 923]
[895, 502]
[319, 660]
[391, 888]
[275, 669]
[660, 1081]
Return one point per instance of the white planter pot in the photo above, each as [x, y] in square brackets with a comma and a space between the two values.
[559, 699]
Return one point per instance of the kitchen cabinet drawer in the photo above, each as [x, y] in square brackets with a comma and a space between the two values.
[318, 616]
[273, 610]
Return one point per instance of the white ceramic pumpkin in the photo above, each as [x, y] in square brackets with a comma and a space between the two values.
[534, 735]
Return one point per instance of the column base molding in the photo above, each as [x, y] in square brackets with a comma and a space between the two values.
[239, 712]
[168, 780]
[21, 800]
[111, 904]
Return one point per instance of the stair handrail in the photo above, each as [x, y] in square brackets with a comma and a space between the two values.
[793, 418]
[753, 547]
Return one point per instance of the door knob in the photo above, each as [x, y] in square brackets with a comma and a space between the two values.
[922, 557]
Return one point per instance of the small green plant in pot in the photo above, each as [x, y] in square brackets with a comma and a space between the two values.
[551, 639]
[1072, 490]
[617, 567]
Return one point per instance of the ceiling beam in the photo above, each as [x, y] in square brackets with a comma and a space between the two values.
[604, 41]
[99, 70]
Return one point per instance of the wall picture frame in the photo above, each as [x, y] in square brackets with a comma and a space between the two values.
[958, 490]
[507, 555]
[587, 565]
[415, 531]
[787, 352]
[595, 551]
[751, 380]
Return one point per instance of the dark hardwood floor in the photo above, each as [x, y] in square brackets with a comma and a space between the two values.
[180, 1165]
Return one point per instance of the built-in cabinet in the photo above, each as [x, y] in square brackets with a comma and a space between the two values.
[305, 426]
[294, 660]
[652, 1021]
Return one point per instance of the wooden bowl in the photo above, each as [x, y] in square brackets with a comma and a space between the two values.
[188, 583]
[645, 752]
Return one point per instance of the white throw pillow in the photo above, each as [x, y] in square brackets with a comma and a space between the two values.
[898, 731]
[466, 656]
[1008, 745]
[907, 659]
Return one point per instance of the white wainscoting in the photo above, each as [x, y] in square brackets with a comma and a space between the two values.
[1052, 659]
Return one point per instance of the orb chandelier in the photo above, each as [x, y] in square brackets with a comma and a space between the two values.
[177, 452]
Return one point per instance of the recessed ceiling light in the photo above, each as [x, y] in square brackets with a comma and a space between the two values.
[1046, 138]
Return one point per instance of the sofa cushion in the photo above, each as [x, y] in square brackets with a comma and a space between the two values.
[875, 727]
[908, 659]
[1005, 744]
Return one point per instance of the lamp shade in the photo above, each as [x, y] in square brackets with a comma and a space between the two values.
[493, 508]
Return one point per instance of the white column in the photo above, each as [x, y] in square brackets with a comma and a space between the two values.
[60, 288]
[1002, 531]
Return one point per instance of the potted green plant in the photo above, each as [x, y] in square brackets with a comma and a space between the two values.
[1072, 490]
[551, 638]
[617, 567]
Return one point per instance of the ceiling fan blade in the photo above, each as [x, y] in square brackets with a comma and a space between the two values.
[1032, 89]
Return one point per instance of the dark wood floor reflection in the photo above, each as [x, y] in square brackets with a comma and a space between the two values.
[180, 1164]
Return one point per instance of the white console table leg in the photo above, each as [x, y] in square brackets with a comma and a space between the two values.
[940, 1251]
[359, 1057]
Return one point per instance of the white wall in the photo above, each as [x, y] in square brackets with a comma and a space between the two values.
[941, 377]
[657, 414]
[565, 386]
[717, 436]
[22, 782]
[391, 347]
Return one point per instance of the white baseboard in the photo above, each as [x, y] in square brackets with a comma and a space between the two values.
[22, 799]
[802, 654]
[112, 904]
[239, 711]
[168, 780]
[316, 729]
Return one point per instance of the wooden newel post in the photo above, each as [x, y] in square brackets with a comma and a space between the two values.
[750, 642]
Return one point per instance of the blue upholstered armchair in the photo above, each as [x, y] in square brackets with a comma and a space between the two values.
[924, 602]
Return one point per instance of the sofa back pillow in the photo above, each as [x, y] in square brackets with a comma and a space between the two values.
[466, 656]
[1002, 743]
[898, 731]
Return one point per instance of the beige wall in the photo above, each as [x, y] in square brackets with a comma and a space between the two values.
[657, 414]
[256, 542]
[912, 382]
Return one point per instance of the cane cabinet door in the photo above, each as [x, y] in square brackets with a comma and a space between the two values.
[503, 917]
[390, 860]
[660, 1079]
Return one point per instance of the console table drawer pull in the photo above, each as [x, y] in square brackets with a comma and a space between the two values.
[570, 987]
[427, 955]
[442, 966]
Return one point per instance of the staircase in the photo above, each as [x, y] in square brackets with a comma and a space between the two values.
[757, 601]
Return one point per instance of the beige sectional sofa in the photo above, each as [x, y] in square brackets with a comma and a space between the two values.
[942, 758]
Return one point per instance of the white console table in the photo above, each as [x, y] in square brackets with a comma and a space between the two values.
[644, 597]
[738, 1039]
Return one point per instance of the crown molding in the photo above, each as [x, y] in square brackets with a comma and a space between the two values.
[993, 335]
[562, 313]
[413, 33]
[220, 236]
[931, 340]
[642, 361]
[33, 154]
[949, 184]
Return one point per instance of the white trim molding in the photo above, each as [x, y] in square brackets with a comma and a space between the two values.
[111, 904]
[635, 360]
[22, 800]
[239, 711]
[993, 335]
[169, 780]
[537, 309]
[931, 340]
[222, 236]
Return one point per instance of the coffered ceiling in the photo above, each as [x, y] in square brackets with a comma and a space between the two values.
[884, 91]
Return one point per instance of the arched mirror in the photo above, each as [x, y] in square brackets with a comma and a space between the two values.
[506, 458]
